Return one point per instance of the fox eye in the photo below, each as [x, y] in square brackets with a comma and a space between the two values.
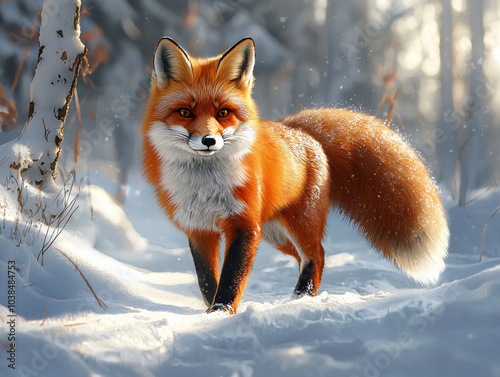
[185, 113]
[223, 113]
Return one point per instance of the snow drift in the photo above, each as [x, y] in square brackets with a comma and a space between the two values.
[367, 320]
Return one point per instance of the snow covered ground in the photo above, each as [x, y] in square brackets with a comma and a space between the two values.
[368, 319]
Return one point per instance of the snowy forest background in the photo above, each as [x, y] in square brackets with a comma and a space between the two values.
[434, 61]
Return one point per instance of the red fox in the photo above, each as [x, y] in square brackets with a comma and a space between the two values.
[218, 170]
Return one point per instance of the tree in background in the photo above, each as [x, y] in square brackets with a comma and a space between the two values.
[35, 154]
[309, 53]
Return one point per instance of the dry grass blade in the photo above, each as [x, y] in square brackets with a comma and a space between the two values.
[80, 104]
[80, 126]
[5, 345]
[47, 300]
[483, 233]
[8, 119]
[57, 222]
[77, 145]
[30, 220]
[391, 101]
[99, 301]
[75, 324]
[25, 53]
[56, 231]
[477, 197]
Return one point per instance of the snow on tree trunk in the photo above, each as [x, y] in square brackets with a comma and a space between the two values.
[35, 154]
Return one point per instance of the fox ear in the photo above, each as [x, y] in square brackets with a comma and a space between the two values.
[237, 63]
[170, 62]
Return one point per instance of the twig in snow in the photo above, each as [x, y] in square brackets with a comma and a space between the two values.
[483, 233]
[99, 301]
[46, 132]
[47, 243]
[47, 300]
[57, 222]
[477, 197]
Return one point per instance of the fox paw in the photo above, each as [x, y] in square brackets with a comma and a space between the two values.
[221, 308]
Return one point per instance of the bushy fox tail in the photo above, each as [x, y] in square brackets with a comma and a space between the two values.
[380, 184]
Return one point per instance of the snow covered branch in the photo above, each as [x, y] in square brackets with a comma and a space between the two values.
[35, 154]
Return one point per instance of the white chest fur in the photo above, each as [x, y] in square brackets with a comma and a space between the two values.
[202, 188]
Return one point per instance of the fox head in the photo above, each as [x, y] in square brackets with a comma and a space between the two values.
[201, 107]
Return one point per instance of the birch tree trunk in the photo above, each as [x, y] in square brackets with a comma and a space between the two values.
[35, 154]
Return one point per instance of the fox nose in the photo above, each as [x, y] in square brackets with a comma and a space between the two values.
[208, 140]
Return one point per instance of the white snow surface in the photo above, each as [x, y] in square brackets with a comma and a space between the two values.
[368, 319]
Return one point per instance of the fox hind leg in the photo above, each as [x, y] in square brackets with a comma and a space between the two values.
[312, 259]
[310, 262]
[310, 275]
[308, 267]
[298, 230]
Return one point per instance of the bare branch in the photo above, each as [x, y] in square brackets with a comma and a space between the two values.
[47, 300]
